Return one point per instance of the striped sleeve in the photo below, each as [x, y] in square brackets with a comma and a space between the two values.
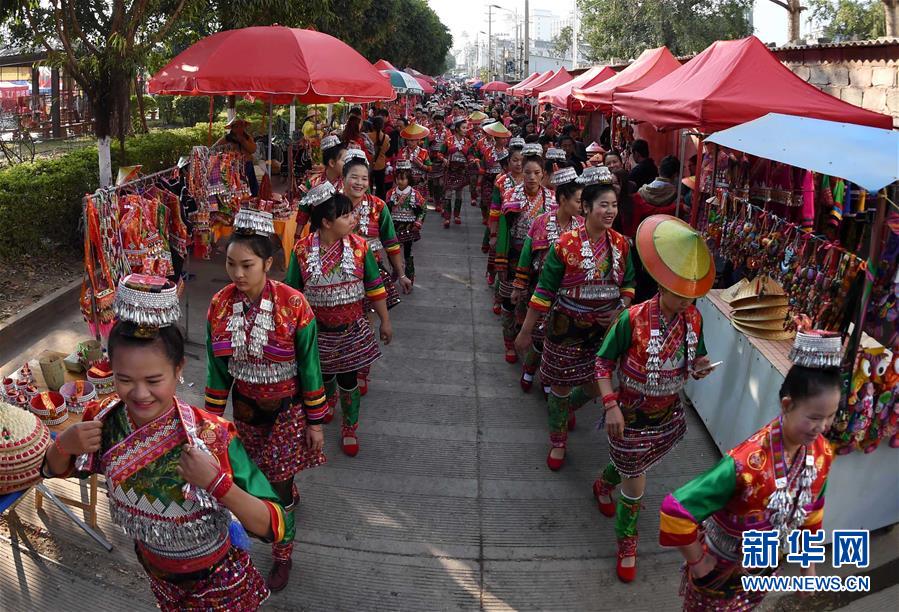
[684, 510]
[218, 379]
[387, 232]
[549, 281]
[310, 372]
[502, 244]
[374, 285]
[523, 268]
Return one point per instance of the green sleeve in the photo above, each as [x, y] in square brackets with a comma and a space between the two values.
[502, 236]
[371, 273]
[551, 273]
[630, 275]
[526, 257]
[246, 475]
[708, 493]
[294, 278]
[700, 345]
[618, 338]
[310, 372]
[218, 379]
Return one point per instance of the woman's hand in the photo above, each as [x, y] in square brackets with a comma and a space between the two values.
[81, 438]
[614, 422]
[197, 467]
[523, 341]
[386, 332]
[701, 367]
[315, 438]
[405, 284]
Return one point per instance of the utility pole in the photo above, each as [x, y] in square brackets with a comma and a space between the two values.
[575, 30]
[526, 60]
[489, 42]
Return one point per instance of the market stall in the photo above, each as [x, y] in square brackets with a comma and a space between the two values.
[561, 96]
[803, 220]
[518, 90]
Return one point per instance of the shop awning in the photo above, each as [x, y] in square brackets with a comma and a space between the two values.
[524, 81]
[560, 96]
[527, 89]
[652, 65]
[537, 77]
[864, 155]
[559, 78]
[730, 83]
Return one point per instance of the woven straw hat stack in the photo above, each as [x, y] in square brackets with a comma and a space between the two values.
[759, 308]
[23, 441]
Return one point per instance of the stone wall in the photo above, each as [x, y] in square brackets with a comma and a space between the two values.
[865, 74]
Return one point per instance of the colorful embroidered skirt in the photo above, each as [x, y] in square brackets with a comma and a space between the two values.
[349, 349]
[648, 435]
[233, 583]
[721, 590]
[274, 433]
[393, 294]
[438, 169]
[406, 232]
[569, 350]
[456, 176]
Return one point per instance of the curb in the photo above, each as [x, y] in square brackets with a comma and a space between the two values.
[15, 331]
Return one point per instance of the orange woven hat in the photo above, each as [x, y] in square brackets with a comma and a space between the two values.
[676, 256]
[497, 130]
[414, 131]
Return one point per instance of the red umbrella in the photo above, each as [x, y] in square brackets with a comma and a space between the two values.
[275, 63]
[383, 64]
[495, 86]
[420, 75]
[425, 86]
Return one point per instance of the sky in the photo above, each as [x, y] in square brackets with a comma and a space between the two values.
[471, 16]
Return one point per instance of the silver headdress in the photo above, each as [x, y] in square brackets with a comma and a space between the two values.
[817, 349]
[318, 195]
[404, 164]
[562, 176]
[329, 141]
[556, 154]
[252, 221]
[532, 148]
[148, 301]
[516, 143]
[595, 175]
[352, 154]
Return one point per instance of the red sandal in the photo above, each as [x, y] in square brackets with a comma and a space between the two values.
[627, 547]
[555, 464]
[350, 449]
[602, 489]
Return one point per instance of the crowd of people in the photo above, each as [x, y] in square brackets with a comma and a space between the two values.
[594, 281]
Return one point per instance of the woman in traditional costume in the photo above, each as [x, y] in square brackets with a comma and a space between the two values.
[521, 206]
[437, 150]
[493, 147]
[775, 480]
[586, 280]
[459, 154]
[407, 207]
[510, 178]
[543, 234]
[337, 272]
[175, 474]
[262, 350]
[475, 161]
[413, 136]
[654, 346]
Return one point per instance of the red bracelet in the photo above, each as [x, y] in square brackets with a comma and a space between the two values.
[609, 398]
[608, 407]
[705, 551]
[58, 447]
[223, 484]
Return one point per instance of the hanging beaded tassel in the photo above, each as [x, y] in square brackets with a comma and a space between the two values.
[263, 324]
[692, 341]
[653, 361]
[236, 325]
[588, 262]
[616, 262]
[552, 228]
[348, 261]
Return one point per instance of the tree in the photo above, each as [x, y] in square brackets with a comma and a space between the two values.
[794, 10]
[849, 19]
[561, 42]
[624, 28]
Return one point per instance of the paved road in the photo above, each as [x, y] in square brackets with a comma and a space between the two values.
[449, 504]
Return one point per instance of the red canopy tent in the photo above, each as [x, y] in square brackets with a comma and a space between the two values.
[275, 63]
[420, 75]
[526, 81]
[560, 96]
[522, 91]
[732, 82]
[426, 87]
[495, 86]
[559, 78]
[383, 64]
[652, 65]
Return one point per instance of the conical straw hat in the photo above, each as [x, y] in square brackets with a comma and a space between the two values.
[767, 313]
[676, 256]
[414, 132]
[729, 295]
[765, 334]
